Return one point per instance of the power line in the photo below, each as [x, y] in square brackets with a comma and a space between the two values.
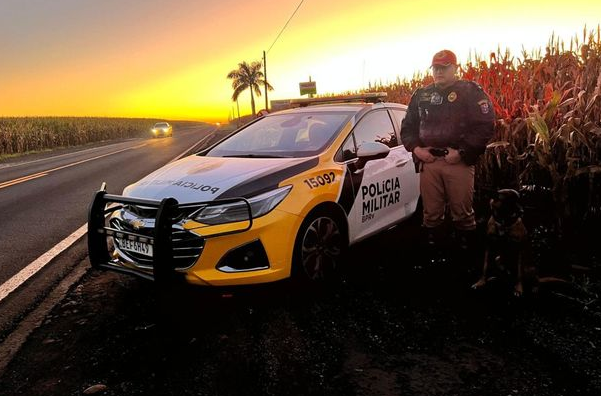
[289, 19]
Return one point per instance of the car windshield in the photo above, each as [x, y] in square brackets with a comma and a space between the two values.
[283, 135]
[161, 125]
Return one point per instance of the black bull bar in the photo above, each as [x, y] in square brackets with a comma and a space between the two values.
[169, 211]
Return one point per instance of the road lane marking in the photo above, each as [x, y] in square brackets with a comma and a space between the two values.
[22, 179]
[44, 173]
[17, 280]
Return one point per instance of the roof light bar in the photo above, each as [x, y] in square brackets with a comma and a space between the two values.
[370, 97]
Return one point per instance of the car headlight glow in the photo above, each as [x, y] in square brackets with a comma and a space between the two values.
[238, 211]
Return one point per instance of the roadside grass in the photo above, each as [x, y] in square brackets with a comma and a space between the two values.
[4, 157]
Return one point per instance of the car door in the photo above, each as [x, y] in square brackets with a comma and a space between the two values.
[379, 186]
[410, 194]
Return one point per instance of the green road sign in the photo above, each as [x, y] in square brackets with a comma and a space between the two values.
[307, 88]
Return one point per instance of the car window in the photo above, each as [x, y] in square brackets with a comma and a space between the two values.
[376, 127]
[398, 118]
[283, 135]
[269, 139]
[347, 151]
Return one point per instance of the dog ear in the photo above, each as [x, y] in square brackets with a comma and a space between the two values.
[508, 194]
[510, 198]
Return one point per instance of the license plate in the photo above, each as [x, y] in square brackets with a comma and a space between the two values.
[135, 246]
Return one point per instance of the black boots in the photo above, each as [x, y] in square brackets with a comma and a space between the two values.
[435, 246]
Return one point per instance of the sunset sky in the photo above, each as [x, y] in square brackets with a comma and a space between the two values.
[169, 58]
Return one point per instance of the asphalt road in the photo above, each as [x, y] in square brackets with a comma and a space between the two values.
[43, 200]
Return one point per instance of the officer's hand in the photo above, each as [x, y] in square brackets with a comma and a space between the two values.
[453, 157]
[423, 153]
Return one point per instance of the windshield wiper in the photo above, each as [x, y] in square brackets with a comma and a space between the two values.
[256, 156]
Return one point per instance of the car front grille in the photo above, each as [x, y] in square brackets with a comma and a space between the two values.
[187, 246]
[142, 211]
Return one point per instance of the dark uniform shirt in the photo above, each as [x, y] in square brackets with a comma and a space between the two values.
[460, 116]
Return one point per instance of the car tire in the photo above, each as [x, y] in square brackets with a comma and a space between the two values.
[319, 248]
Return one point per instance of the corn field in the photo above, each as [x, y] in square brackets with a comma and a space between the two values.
[548, 130]
[25, 134]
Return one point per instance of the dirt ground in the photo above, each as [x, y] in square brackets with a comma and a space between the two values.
[388, 326]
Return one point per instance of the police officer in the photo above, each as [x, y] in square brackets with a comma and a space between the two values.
[447, 127]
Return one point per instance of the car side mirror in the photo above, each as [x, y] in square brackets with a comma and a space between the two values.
[370, 151]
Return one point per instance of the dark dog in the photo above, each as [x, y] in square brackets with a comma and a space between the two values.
[506, 240]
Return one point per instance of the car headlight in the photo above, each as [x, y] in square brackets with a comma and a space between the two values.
[154, 130]
[238, 211]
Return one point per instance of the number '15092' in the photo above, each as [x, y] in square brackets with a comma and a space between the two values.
[320, 180]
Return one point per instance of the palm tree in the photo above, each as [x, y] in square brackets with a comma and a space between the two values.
[248, 76]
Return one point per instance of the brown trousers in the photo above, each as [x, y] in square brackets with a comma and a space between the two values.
[441, 184]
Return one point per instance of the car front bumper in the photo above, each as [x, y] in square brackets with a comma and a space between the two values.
[248, 252]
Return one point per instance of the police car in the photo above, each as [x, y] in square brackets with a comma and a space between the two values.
[282, 196]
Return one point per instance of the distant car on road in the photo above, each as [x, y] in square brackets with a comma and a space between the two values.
[283, 195]
[162, 129]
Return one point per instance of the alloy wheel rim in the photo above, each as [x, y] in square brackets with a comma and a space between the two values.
[321, 248]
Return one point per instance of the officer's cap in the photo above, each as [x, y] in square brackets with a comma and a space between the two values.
[444, 58]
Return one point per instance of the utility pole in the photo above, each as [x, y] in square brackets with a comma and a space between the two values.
[265, 77]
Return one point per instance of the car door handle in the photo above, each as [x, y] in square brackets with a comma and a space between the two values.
[401, 162]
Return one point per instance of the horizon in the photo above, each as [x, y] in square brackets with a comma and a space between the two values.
[140, 59]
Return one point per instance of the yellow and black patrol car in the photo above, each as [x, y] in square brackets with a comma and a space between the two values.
[281, 196]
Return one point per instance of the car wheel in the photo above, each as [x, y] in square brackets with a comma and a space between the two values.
[318, 249]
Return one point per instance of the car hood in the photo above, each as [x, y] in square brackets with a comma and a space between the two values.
[198, 178]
